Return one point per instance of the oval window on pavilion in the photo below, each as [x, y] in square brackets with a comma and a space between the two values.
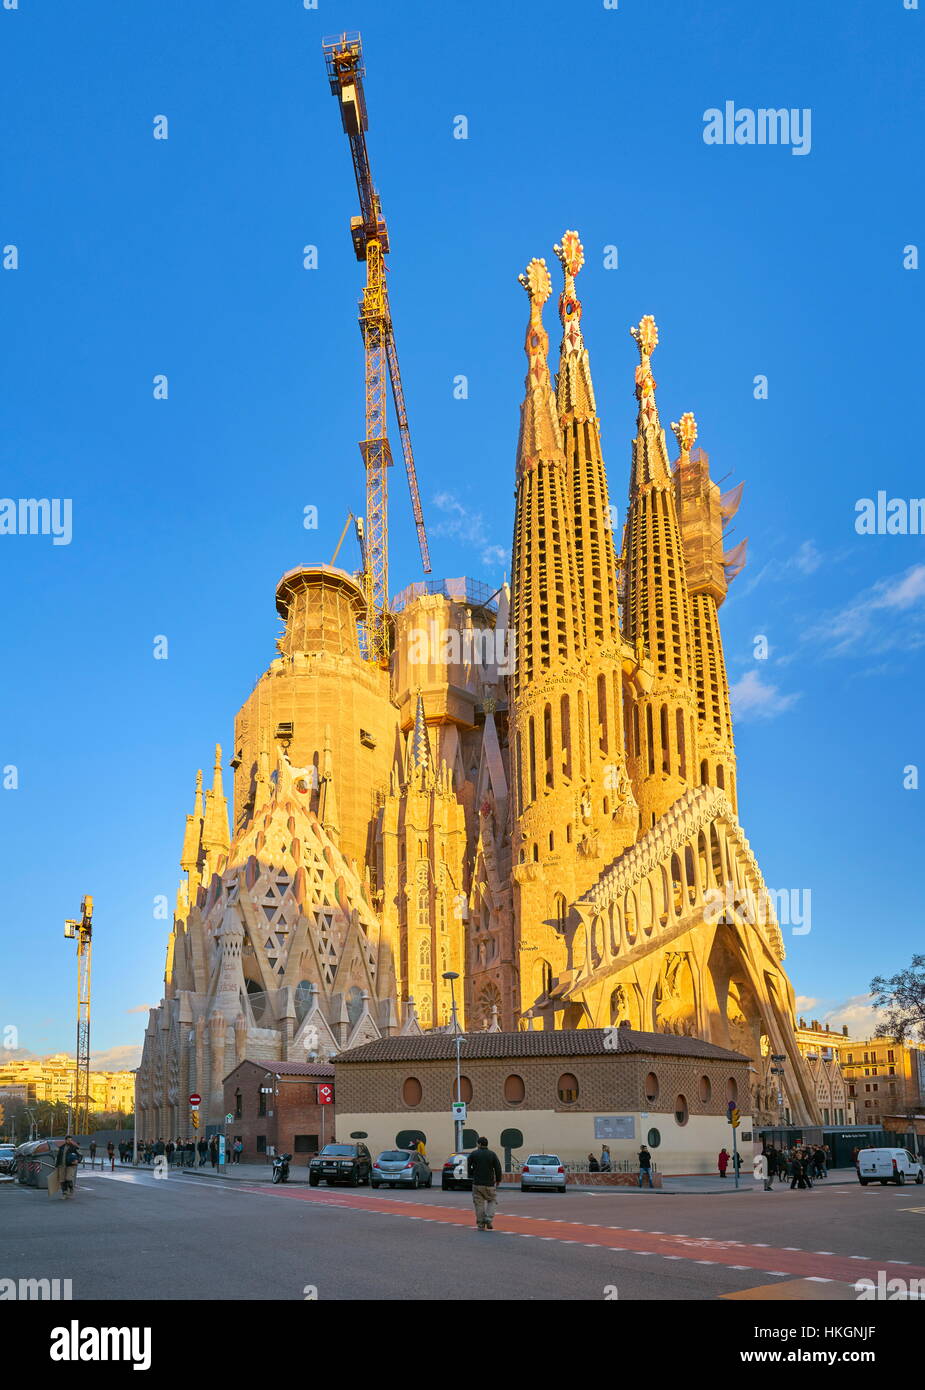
[514, 1089]
[567, 1088]
[705, 1090]
[412, 1091]
[680, 1110]
[465, 1086]
[651, 1087]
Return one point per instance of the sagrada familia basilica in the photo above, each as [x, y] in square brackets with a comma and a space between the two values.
[538, 793]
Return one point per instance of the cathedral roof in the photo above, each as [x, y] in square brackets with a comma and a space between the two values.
[564, 1042]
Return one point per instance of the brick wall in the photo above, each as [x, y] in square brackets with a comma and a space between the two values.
[606, 1084]
[295, 1112]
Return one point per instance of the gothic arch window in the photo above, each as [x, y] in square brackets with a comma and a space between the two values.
[682, 759]
[690, 875]
[629, 916]
[646, 907]
[721, 776]
[542, 978]
[423, 907]
[663, 731]
[520, 771]
[677, 885]
[532, 742]
[602, 712]
[547, 743]
[560, 908]
[635, 728]
[650, 742]
[565, 727]
[704, 773]
[444, 958]
[703, 861]
[582, 717]
[424, 960]
[597, 940]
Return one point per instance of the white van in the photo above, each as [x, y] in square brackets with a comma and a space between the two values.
[888, 1165]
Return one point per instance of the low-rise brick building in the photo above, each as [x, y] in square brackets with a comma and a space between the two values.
[275, 1108]
[566, 1091]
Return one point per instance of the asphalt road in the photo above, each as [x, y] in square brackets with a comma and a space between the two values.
[130, 1236]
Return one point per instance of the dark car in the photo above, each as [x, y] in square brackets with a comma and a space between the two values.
[350, 1163]
[456, 1173]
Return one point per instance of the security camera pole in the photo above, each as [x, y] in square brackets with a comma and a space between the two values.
[458, 1041]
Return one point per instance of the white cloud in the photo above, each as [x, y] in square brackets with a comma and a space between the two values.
[890, 614]
[807, 559]
[140, 1009]
[467, 527]
[804, 1002]
[754, 698]
[123, 1057]
[859, 1014]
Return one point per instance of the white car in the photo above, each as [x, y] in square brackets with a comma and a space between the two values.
[543, 1170]
[889, 1165]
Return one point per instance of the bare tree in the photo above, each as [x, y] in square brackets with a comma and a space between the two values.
[903, 997]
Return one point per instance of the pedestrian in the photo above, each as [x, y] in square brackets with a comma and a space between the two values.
[818, 1161]
[92, 1152]
[737, 1160]
[213, 1151]
[761, 1170]
[645, 1166]
[66, 1161]
[420, 1149]
[484, 1170]
[203, 1152]
[797, 1171]
[593, 1165]
[111, 1155]
[722, 1161]
[237, 1150]
[605, 1159]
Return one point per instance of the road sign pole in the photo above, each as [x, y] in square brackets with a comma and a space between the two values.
[735, 1156]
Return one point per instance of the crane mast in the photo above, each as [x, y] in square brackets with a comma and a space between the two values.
[82, 931]
[344, 62]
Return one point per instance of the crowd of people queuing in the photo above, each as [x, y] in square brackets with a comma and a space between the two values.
[803, 1164]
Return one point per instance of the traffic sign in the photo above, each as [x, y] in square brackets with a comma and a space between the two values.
[325, 1093]
[228, 1118]
[459, 1111]
[195, 1100]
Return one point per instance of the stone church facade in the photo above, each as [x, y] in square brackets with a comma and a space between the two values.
[539, 795]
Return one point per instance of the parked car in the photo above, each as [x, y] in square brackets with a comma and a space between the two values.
[456, 1173]
[889, 1165]
[7, 1158]
[401, 1168]
[350, 1163]
[542, 1170]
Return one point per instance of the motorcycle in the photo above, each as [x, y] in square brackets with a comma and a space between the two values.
[281, 1167]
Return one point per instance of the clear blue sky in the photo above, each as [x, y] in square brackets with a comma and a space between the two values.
[184, 257]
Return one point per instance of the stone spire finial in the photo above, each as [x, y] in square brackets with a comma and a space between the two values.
[540, 435]
[327, 799]
[685, 432]
[574, 392]
[421, 759]
[650, 455]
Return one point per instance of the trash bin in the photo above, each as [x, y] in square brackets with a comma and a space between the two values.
[36, 1160]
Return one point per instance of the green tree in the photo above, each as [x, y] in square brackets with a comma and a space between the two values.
[903, 998]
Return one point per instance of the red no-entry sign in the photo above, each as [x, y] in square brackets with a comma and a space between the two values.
[195, 1100]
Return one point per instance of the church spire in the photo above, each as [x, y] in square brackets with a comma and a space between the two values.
[421, 760]
[595, 554]
[540, 436]
[650, 455]
[327, 798]
[546, 601]
[574, 391]
[189, 855]
[216, 837]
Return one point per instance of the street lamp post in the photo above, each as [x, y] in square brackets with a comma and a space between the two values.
[458, 1041]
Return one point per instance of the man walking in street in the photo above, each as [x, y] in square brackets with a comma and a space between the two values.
[484, 1169]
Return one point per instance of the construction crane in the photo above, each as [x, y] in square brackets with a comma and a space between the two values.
[83, 932]
[343, 55]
